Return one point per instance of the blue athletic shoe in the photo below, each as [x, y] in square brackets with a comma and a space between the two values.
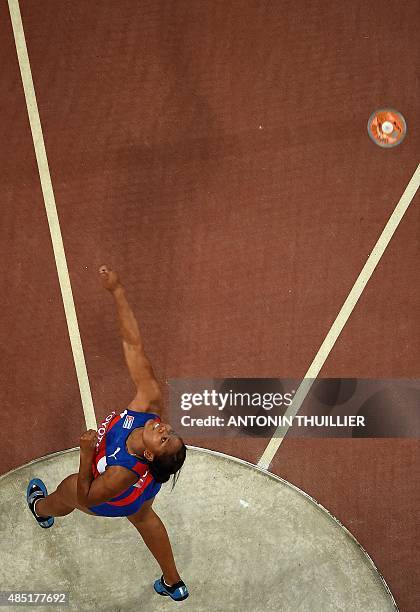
[35, 490]
[177, 591]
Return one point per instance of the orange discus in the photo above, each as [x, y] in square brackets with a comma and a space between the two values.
[387, 127]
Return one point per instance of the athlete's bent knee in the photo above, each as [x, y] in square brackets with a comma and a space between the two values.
[67, 490]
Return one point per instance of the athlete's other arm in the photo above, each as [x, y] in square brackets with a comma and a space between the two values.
[141, 371]
[108, 485]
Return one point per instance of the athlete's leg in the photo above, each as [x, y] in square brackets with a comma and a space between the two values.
[155, 536]
[63, 501]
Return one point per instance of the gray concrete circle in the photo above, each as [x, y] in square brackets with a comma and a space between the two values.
[244, 540]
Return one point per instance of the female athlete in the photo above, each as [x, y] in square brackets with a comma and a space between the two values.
[123, 465]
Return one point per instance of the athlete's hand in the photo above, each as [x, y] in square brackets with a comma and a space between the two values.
[109, 279]
[88, 441]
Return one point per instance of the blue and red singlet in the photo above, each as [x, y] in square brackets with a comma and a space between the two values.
[111, 450]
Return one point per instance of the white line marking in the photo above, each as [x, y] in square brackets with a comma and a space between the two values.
[53, 222]
[343, 316]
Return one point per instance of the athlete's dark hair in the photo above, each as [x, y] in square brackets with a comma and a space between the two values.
[164, 466]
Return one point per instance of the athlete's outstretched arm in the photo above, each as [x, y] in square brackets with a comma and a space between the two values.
[138, 364]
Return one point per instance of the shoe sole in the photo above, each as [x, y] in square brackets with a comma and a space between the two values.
[41, 485]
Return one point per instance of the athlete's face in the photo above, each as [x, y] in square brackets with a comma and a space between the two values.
[160, 439]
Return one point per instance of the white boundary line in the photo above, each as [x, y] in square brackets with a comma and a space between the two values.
[343, 316]
[53, 222]
[64, 279]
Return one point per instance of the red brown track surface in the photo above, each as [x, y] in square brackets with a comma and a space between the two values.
[217, 155]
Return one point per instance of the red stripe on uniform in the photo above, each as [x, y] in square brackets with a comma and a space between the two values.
[140, 468]
[113, 422]
[127, 500]
[134, 495]
[101, 450]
